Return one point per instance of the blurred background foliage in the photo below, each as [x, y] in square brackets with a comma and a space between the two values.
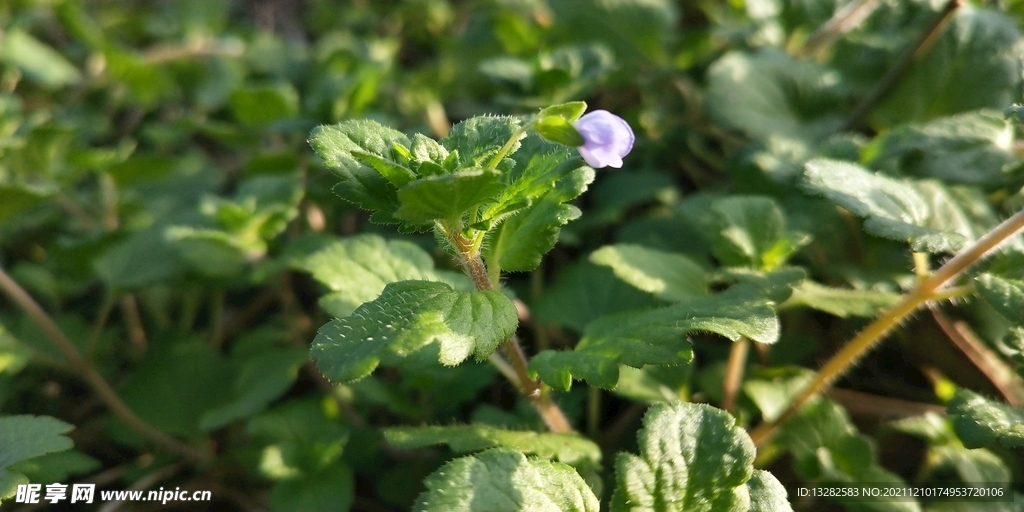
[159, 200]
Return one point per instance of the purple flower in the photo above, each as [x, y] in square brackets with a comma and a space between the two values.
[606, 138]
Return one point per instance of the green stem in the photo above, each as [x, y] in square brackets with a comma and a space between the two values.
[927, 290]
[516, 135]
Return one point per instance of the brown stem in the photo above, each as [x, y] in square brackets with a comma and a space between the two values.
[85, 370]
[548, 410]
[734, 372]
[845, 20]
[891, 77]
[926, 290]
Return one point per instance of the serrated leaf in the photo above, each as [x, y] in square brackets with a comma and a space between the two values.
[24, 437]
[584, 292]
[522, 240]
[766, 493]
[669, 276]
[1004, 295]
[502, 480]
[447, 197]
[571, 449]
[425, 149]
[981, 422]
[693, 457]
[972, 64]
[893, 209]
[752, 232]
[827, 448]
[656, 337]
[842, 302]
[479, 138]
[972, 148]
[407, 316]
[360, 184]
[358, 268]
[769, 93]
[398, 175]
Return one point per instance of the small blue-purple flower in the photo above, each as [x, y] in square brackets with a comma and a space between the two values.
[606, 138]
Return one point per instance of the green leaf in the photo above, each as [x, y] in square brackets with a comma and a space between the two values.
[262, 105]
[176, 384]
[656, 337]
[16, 197]
[827, 448]
[769, 93]
[329, 490]
[949, 455]
[842, 302]
[766, 493]
[425, 149]
[669, 276]
[407, 316]
[973, 64]
[571, 449]
[693, 457]
[1004, 295]
[776, 284]
[447, 197]
[145, 257]
[260, 380]
[772, 390]
[752, 232]
[24, 437]
[583, 292]
[356, 269]
[570, 111]
[360, 184]
[501, 480]
[635, 30]
[477, 139]
[299, 438]
[972, 148]
[522, 240]
[980, 422]
[558, 129]
[37, 61]
[56, 467]
[893, 209]
[398, 175]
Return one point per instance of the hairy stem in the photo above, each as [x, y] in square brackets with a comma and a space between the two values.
[734, 372]
[927, 290]
[518, 134]
[89, 374]
[532, 389]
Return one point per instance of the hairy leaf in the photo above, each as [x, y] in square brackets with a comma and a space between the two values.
[407, 316]
[842, 302]
[583, 292]
[571, 449]
[1004, 295]
[361, 184]
[981, 422]
[893, 209]
[24, 437]
[447, 197]
[503, 480]
[693, 457]
[356, 269]
[656, 337]
[478, 139]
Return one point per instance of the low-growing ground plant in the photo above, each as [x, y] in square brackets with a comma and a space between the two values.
[512, 255]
